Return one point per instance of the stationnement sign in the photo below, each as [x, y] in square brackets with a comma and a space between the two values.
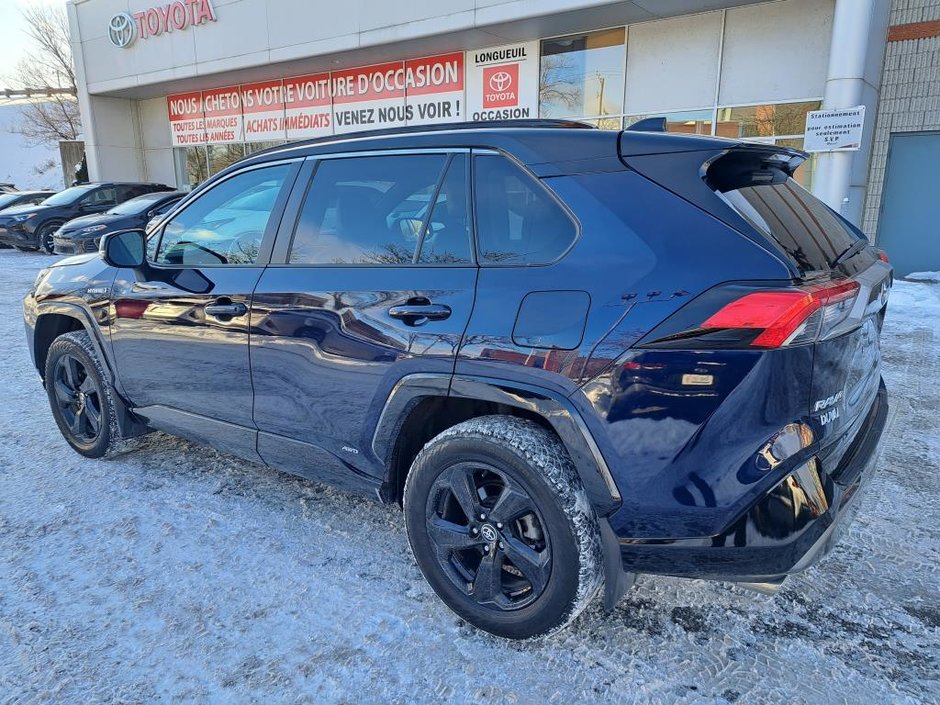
[834, 130]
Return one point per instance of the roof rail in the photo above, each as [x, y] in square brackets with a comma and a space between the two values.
[441, 127]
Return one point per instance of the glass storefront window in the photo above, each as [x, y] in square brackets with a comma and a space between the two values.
[252, 147]
[604, 123]
[764, 120]
[197, 166]
[583, 74]
[693, 122]
[223, 155]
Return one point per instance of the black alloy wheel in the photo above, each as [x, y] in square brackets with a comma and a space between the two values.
[488, 536]
[501, 526]
[45, 238]
[78, 398]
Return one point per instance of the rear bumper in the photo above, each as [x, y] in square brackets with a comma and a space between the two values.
[788, 529]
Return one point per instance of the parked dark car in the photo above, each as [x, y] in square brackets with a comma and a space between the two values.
[9, 199]
[23, 198]
[573, 355]
[32, 227]
[84, 233]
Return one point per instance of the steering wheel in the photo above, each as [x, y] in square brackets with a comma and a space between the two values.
[244, 248]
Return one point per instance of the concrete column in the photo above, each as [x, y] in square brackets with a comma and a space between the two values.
[856, 58]
[110, 126]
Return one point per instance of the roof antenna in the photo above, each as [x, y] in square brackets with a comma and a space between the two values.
[651, 124]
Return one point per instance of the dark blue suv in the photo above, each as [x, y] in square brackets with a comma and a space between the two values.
[573, 355]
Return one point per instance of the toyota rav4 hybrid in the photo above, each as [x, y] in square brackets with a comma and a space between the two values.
[31, 227]
[572, 355]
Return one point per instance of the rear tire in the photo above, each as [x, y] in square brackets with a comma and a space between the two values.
[80, 397]
[501, 527]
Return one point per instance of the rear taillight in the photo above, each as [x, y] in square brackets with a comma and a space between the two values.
[767, 318]
[787, 317]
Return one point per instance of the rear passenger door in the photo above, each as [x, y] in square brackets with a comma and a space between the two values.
[374, 280]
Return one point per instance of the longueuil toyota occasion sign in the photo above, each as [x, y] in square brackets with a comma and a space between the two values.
[491, 84]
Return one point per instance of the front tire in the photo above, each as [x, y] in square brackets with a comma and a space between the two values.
[501, 527]
[80, 397]
[44, 238]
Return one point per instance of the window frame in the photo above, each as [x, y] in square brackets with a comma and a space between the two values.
[285, 238]
[539, 184]
[270, 230]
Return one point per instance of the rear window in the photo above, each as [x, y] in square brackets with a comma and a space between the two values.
[798, 222]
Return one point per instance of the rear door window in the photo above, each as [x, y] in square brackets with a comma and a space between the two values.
[100, 197]
[385, 210]
[517, 219]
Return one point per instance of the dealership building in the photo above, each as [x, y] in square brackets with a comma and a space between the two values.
[175, 90]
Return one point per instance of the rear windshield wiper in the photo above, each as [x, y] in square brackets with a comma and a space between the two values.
[850, 251]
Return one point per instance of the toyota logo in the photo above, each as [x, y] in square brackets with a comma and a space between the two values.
[488, 533]
[121, 30]
[500, 81]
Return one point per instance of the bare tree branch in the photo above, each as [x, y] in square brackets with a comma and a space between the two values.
[47, 119]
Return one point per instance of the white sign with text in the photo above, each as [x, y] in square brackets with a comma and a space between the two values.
[834, 130]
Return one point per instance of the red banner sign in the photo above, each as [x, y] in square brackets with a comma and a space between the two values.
[419, 91]
[263, 111]
[187, 119]
[308, 108]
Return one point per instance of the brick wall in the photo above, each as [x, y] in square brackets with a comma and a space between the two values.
[910, 89]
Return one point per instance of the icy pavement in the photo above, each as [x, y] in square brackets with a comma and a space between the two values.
[177, 574]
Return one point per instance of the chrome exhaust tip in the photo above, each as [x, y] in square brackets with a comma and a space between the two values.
[767, 587]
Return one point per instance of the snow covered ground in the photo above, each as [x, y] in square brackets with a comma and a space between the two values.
[176, 574]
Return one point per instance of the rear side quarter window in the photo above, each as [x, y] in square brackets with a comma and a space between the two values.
[518, 222]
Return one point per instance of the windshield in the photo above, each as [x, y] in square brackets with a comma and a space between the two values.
[7, 198]
[69, 196]
[135, 205]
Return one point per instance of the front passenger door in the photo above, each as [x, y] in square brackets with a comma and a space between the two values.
[180, 327]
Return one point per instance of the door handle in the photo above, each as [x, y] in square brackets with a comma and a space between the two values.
[419, 314]
[225, 308]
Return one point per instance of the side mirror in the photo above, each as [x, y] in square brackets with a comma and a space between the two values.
[126, 248]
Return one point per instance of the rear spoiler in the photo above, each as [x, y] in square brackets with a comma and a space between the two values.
[695, 167]
[750, 164]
